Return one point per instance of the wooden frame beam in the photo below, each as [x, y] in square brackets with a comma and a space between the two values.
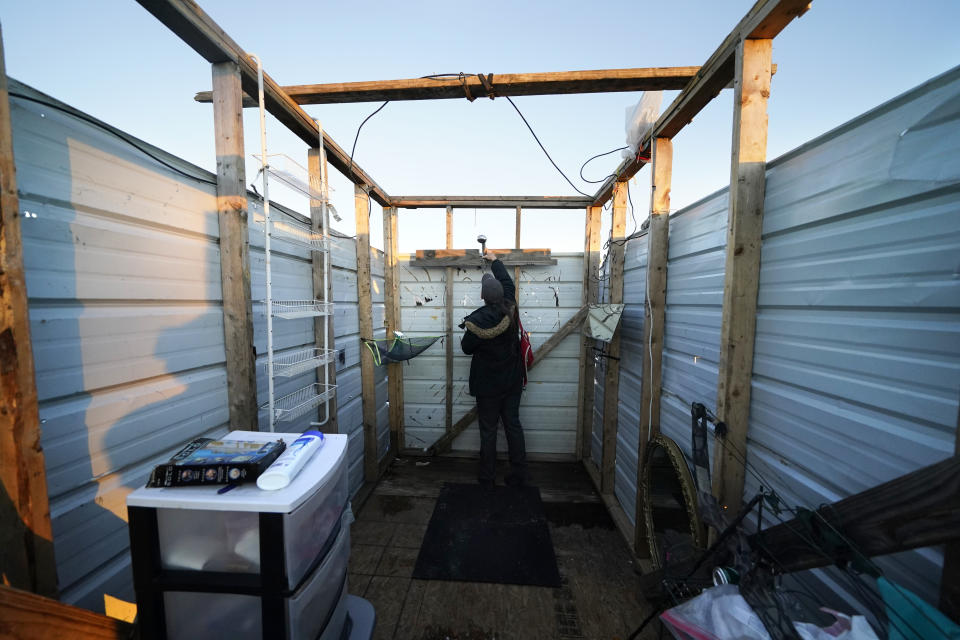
[448, 308]
[765, 20]
[611, 387]
[490, 202]
[920, 509]
[742, 270]
[361, 207]
[591, 269]
[466, 258]
[392, 317]
[516, 246]
[26, 537]
[27, 616]
[658, 248]
[446, 440]
[232, 209]
[506, 84]
[188, 21]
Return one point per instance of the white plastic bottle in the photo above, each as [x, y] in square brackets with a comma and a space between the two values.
[279, 474]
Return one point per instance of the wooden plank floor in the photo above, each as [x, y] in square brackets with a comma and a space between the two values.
[599, 597]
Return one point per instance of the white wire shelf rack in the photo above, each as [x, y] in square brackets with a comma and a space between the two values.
[293, 405]
[292, 174]
[288, 365]
[283, 227]
[290, 309]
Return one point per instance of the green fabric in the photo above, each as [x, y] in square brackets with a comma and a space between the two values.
[911, 618]
[398, 349]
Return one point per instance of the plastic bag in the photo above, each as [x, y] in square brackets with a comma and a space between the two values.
[721, 612]
[640, 120]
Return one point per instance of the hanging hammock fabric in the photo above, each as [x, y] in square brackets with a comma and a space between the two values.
[399, 348]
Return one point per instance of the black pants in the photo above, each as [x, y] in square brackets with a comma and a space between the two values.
[491, 410]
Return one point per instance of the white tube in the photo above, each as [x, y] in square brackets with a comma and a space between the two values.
[283, 470]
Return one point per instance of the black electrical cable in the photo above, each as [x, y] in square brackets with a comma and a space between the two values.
[356, 137]
[587, 195]
[512, 103]
[599, 155]
[648, 620]
[129, 140]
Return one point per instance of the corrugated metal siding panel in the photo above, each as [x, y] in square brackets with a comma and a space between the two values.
[599, 373]
[857, 359]
[691, 341]
[631, 373]
[549, 296]
[123, 278]
[379, 331]
[346, 328]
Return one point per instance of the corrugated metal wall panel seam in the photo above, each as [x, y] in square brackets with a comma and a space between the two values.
[632, 353]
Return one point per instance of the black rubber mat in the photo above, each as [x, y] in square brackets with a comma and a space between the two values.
[479, 535]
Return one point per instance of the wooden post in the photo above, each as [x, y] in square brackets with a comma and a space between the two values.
[516, 245]
[361, 207]
[611, 385]
[747, 182]
[392, 299]
[322, 290]
[448, 304]
[234, 246]
[591, 266]
[658, 243]
[26, 539]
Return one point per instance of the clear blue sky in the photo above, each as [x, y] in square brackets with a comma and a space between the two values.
[114, 60]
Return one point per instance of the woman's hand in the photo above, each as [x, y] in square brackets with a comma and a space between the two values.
[489, 256]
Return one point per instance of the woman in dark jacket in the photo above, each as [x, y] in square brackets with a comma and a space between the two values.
[496, 374]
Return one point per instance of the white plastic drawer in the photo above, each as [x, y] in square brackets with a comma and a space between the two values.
[221, 615]
[229, 541]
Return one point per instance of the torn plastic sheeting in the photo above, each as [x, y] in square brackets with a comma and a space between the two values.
[926, 149]
[721, 612]
[603, 320]
[640, 120]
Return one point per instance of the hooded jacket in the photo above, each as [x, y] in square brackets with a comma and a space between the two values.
[492, 339]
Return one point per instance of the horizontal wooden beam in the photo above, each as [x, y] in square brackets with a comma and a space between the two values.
[765, 20]
[27, 616]
[471, 257]
[490, 202]
[446, 440]
[919, 509]
[507, 84]
[188, 21]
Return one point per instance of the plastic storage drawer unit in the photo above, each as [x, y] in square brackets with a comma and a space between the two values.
[245, 545]
[306, 613]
